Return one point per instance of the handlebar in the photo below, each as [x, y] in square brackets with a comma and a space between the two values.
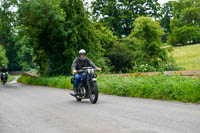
[85, 69]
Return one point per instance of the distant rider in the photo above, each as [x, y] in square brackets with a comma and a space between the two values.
[4, 70]
[78, 64]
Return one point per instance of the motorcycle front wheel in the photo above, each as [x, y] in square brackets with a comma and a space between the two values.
[94, 93]
[4, 82]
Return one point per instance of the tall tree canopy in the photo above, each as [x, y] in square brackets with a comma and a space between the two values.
[7, 32]
[146, 41]
[3, 58]
[119, 15]
[51, 32]
[58, 29]
[167, 15]
[185, 25]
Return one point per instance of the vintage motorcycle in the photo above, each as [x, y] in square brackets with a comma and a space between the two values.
[88, 88]
[4, 78]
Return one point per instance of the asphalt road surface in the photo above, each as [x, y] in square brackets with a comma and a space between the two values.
[33, 109]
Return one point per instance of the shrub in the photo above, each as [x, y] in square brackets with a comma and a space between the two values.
[121, 58]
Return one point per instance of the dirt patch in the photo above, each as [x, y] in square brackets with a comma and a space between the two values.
[29, 74]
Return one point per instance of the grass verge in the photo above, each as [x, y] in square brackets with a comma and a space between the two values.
[155, 87]
[57, 82]
[188, 57]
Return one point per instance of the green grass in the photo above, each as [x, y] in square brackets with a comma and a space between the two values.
[188, 57]
[155, 87]
[57, 82]
[10, 78]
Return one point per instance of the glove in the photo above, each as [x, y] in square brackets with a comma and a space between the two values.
[74, 72]
[99, 69]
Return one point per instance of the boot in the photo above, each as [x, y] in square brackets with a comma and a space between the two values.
[75, 93]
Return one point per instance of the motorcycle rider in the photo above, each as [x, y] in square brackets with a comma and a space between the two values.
[79, 63]
[4, 70]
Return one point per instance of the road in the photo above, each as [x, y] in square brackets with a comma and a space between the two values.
[34, 109]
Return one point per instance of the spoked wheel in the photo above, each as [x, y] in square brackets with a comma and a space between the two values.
[94, 93]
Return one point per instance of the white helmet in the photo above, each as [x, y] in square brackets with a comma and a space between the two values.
[82, 51]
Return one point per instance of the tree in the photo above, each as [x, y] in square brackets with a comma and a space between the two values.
[119, 15]
[184, 35]
[185, 25]
[106, 37]
[147, 43]
[7, 36]
[24, 51]
[3, 58]
[58, 29]
[167, 16]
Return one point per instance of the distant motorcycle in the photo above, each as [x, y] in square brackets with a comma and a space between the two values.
[3, 78]
[88, 88]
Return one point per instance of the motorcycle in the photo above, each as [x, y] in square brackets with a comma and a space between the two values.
[4, 78]
[88, 88]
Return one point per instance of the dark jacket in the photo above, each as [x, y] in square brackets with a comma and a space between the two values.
[79, 63]
[4, 70]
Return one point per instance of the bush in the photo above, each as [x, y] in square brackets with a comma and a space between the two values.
[162, 68]
[144, 68]
[121, 58]
[169, 66]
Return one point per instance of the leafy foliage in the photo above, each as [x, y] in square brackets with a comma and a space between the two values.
[167, 15]
[121, 58]
[24, 53]
[59, 27]
[147, 43]
[119, 15]
[184, 35]
[50, 33]
[185, 24]
[7, 35]
[3, 58]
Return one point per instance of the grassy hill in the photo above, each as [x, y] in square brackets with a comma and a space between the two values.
[188, 57]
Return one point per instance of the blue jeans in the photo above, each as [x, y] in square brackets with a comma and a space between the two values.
[77, 79]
